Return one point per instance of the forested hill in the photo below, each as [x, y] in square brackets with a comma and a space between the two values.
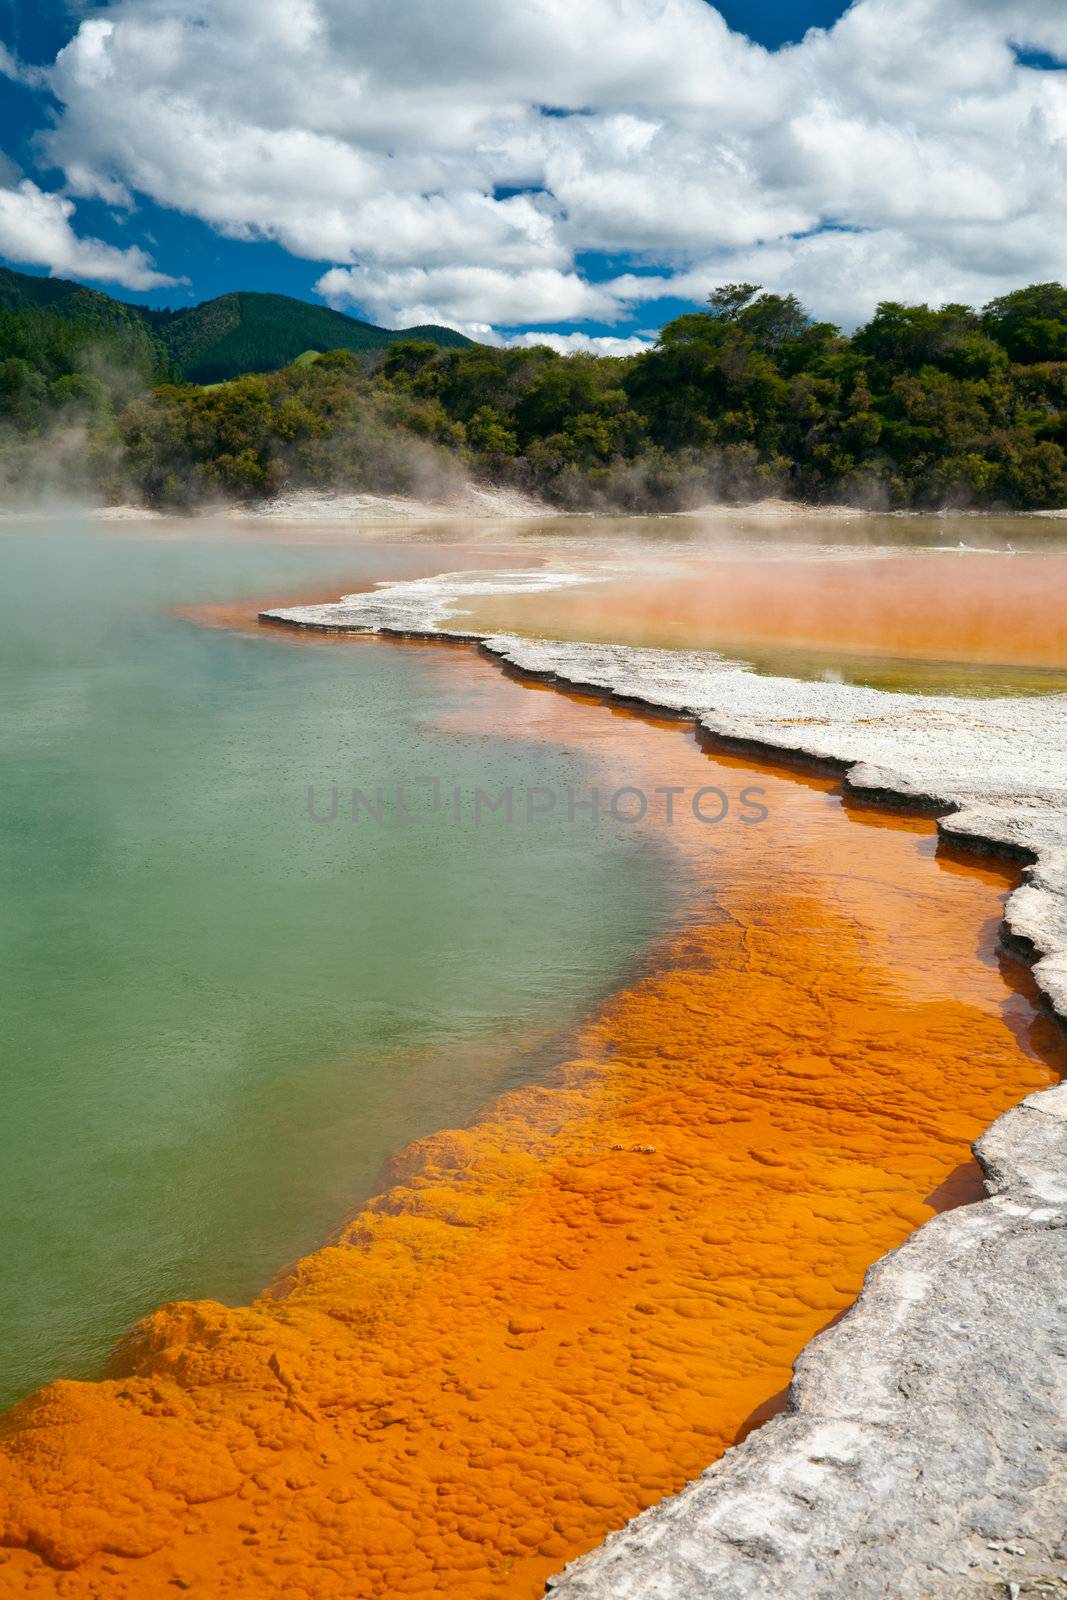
[249, 332]
[208, 343]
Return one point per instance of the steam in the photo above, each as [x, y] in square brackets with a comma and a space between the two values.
[53, 464]
[68, 448]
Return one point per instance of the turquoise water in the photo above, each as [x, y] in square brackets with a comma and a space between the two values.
[218, 1017]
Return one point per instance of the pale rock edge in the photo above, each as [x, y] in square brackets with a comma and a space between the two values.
[923, 1455]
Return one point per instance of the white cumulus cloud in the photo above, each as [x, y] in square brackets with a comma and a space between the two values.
[35, 230]
[597, 344]
[466, 297]
[458, 163]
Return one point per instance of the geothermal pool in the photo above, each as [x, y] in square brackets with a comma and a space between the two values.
[220, 1018]
[739, 1061]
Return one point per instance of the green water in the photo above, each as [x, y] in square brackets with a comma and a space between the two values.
[217, 1017]
[971, 680]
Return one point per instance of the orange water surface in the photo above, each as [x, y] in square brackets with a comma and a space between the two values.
[557, 1316]
[934, 606]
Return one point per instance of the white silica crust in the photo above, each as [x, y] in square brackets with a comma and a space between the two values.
[924, 1452]
[464, 500]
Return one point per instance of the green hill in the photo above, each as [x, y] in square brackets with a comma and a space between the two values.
[21, 292]
[242, 332]
[248, 332]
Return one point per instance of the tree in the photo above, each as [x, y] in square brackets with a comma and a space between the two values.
[23, 393]
[1031, 324]
[706, 383]
[770, 320]
[730, 299]
[488, 433]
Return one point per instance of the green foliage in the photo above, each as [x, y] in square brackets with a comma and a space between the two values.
[123, 355]
[489, 434]
[770, 320]
[23, 393]
[1030, 324]
[406, 359]
[706, 383]
[920, 408]
[912, 337]
[80, 395]
[58, 376]
[72, 302]
[564, 390]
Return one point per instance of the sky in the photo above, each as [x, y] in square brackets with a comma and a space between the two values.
[523, 169]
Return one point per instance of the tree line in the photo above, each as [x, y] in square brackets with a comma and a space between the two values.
[920, 408]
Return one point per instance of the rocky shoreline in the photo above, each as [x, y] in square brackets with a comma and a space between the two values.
[924, 1449]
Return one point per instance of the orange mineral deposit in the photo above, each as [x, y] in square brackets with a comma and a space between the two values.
[559, 1315]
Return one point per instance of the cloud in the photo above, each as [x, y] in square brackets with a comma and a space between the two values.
[466, 297]
[597, 344]
[390, 140]
[35, 231]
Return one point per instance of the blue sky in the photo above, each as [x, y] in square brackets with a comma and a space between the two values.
[598, 186]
